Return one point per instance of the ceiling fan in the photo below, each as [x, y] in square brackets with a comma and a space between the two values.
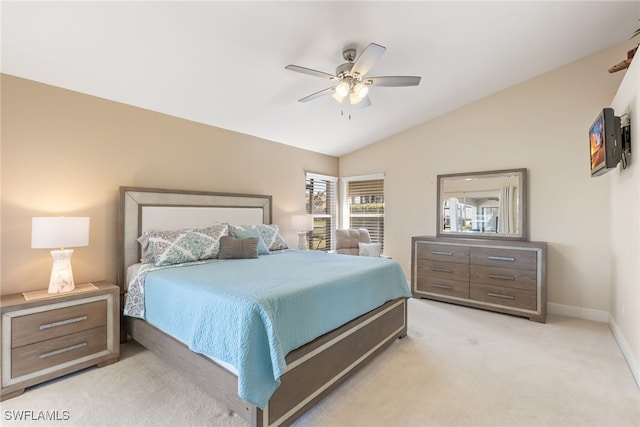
[350, 77]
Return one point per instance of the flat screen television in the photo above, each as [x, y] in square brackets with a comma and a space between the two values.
[605, 142]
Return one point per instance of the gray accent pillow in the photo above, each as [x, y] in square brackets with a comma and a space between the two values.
[232, 248]
[262, 246]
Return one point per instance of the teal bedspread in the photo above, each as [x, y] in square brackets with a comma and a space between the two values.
[252, 312]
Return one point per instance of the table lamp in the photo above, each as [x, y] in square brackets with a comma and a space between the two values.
[302, 223]
[60, 232]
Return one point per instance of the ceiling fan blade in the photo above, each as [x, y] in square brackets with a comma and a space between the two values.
[323, 92]
[309, 71]
[368, 58]
[393, 81]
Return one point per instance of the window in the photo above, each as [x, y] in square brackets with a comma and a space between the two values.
[321, 203]
[364, 204]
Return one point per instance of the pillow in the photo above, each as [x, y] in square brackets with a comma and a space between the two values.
[232, 248]
[176, 247]
[270, 234]
[369, 249]
[262, 246]
[207, 240]
[146, 254]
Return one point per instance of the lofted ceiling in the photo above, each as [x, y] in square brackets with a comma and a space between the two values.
[222, 63]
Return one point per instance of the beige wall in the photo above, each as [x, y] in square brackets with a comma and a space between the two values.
[624, 205]
[541, 125]
[591, 224]
[65, 153]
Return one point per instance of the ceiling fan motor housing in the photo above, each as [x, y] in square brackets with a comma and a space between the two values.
[344, 69]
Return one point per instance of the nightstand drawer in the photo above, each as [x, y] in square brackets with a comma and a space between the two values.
[50, 324]
[45, 354]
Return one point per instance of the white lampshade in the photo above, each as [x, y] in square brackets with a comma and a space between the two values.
[59, 232]
[302, 222]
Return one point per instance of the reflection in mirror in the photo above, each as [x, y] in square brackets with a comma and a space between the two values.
[483, 204]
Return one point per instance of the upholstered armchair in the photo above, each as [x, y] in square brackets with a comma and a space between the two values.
[354, 241]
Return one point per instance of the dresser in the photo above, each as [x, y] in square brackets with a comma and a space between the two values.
[499, 275]
[53, 336]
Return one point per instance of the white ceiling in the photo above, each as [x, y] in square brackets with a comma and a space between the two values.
[222, 63]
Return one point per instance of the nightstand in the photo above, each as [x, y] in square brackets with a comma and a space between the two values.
[46, 338]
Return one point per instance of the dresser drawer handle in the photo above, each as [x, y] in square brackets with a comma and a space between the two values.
[442, 270]
[495, 276]
[62, 350]
[63, 322]
[437, 285]
[501, 258]
[441, 253]
[491, 294]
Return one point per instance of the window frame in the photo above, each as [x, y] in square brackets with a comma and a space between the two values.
[332, 216]
[344, 211]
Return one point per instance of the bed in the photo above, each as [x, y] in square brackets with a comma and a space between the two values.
[306, 361]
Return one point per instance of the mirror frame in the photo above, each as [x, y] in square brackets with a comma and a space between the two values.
[522, 200]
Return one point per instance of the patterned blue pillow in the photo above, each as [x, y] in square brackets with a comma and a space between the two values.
[270, 234]
[177, 247]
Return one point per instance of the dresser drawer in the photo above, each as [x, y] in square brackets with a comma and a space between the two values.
[50, 324]
[448, 253]
[507, 258]
[507, 277]
[510, 297]
[41, 355]
[452, 288]
[443, 270]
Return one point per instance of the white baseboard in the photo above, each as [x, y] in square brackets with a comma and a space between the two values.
[579, 312]
[626, 350]
[604, 317]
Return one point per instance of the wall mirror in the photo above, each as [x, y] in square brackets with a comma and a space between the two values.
[488, 204]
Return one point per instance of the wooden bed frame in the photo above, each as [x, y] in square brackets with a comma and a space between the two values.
[313, 370]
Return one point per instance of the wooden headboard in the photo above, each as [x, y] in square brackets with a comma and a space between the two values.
[143, 209]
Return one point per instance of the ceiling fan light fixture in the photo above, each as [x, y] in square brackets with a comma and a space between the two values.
[342, 89]
[361, 90]
[337, 96]
[354, 98]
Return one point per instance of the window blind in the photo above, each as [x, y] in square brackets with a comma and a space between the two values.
[320, 200]
[365, 204]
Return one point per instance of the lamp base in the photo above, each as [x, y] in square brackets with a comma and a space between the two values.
[302, 240]
[61, 275]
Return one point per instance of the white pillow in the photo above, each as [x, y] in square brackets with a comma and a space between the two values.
[369, 249]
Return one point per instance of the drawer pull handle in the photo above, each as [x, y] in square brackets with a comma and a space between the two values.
[442, 270]
[63, 322]
[437, 285]
[491, 294]
[62, 350]
[501, 258]
[441, 253]
[495, 276]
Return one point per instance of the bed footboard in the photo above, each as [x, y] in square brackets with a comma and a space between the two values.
[313, 370]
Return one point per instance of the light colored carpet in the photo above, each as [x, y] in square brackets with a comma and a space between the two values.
[457, 367]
